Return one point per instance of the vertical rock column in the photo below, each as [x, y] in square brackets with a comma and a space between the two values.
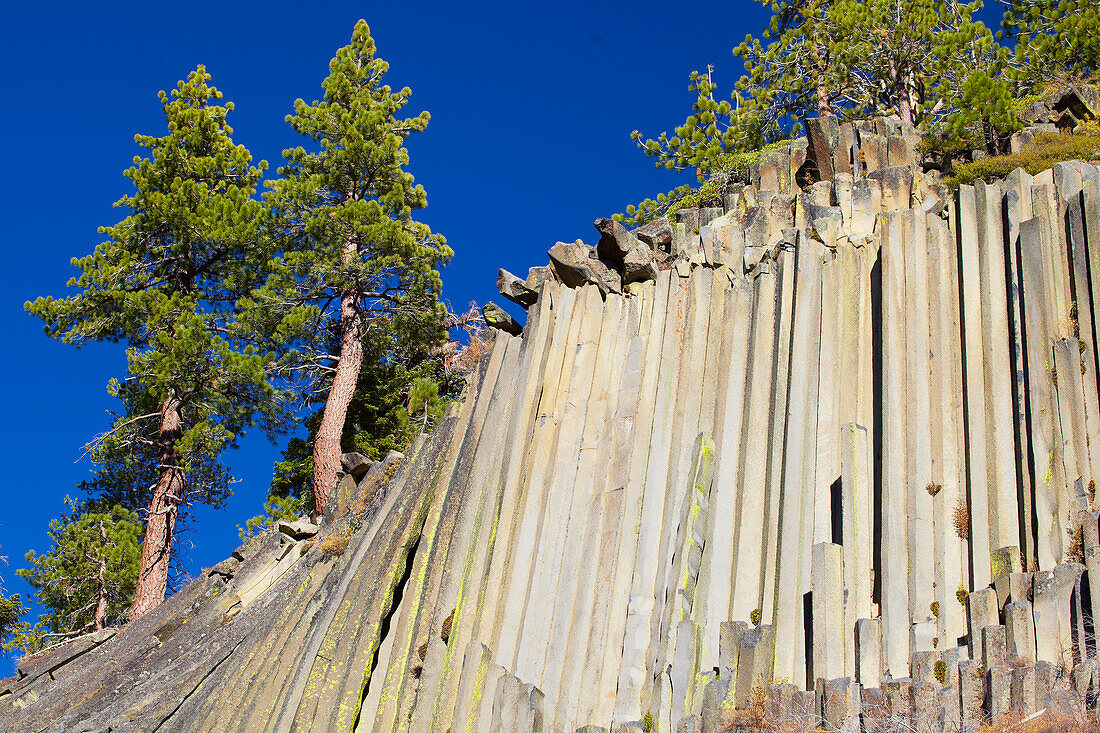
[894, 582]
[920, 470]
[799, 465]
[1000, 430]
[977, 498]
[621, 653]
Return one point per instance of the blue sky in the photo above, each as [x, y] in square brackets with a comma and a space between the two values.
[532, 106]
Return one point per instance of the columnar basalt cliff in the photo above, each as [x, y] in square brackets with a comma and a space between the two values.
[833, 442]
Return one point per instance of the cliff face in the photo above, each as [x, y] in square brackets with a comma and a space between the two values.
[840, 438]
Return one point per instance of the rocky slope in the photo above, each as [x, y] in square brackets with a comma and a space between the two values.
[836, 442]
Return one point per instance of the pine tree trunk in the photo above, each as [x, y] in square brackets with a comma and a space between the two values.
[156, 551]
[905, 107]
[326, 446]
[101, 603]
[821, 92]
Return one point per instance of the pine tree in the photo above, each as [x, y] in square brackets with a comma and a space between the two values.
[11, 609]
[86, 580]
[166, 282]
[1054, 35]
[925, 61]
[354, 266]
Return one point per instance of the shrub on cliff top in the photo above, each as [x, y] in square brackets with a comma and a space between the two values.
[1040, 154]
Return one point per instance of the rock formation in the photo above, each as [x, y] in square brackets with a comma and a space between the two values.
[832, 444]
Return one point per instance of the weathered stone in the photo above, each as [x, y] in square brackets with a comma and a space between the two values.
[225, 568]
[299, 529]
[657, 234]
[868, 652]
[1012, 587]
[897, 187]
[971, 692]
[515, 289]
[823, 134]
[497, 317]
[577, 265]
[355, 464]
[993, 646]
[1023, 690]
[998, 692]
[642, 263]
[840, 705]
[615, 241]
[827, 223]
[689, 724]
[536, 276]
[1020, 631]
[981, 611]
[717, 704]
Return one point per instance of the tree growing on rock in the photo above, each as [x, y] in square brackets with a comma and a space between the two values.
[166, 282]
[87, 578]
[923, 61]
[353, 266]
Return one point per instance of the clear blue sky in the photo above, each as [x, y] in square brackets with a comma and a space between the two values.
[532, 106]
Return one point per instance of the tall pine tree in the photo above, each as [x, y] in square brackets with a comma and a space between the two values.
[86, 580]
[166, 282]
[354, 266]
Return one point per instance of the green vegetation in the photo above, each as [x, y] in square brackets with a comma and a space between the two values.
[87, 579]
[726, 170]
[349, 265]
[11, 609]
[323, 294]
[1054, 35]
[1040, 154]
[933, 66]
[168, 281]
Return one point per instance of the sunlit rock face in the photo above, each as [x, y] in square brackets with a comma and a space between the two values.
[828, 450]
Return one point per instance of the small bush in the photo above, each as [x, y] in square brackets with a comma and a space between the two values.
[1076, 550]
[940, 670]
[754, 616]
[334, 545]
[933, 489]
[369, 491]
[961, 519]
[445, 631]
[934, 607]
[961, 594]
[1040, 154]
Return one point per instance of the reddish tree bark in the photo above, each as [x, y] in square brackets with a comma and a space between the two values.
[156, 551]
[326, 446]
[101, 603]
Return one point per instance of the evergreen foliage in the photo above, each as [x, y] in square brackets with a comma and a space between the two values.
[167, 283]
[1054, 35]
[11, 609]
[928, 63]
[352, 266]
[86, 580]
